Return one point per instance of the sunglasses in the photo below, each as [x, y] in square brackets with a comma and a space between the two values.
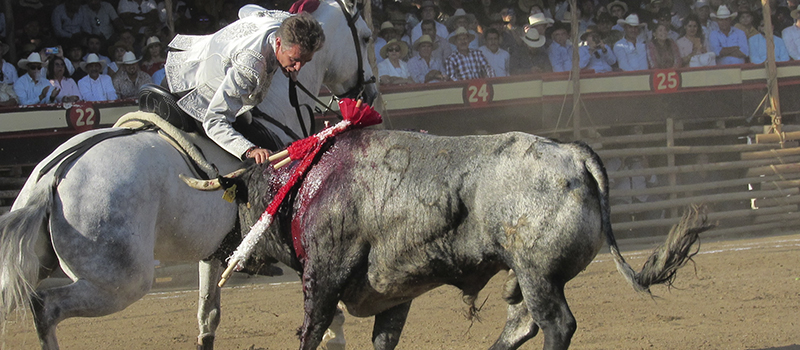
[34, 67]
[394, 49]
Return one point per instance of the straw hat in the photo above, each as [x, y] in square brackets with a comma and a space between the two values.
[632, 20]
[386, 26]
[456, 15]
[723, 12]
[460, 31]
[129, 58]
[533, 39]
[402, 44]
[32, 58]
[425, 38]
[153, 40]
[91, 59]
[539, 18]
[796, 13]
[618, 3]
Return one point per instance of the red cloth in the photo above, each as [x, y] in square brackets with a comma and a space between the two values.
[304, 5]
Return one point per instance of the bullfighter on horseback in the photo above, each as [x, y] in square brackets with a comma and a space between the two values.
[224, 75]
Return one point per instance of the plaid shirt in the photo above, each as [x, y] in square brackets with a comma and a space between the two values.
[470, 66]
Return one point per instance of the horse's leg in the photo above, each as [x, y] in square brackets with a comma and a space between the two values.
[519, 326]
[208, 305]
[388, 326]
[81, 298]
[548, 308]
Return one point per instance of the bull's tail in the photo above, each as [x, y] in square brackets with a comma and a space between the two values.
[675, 252]
[19, 263]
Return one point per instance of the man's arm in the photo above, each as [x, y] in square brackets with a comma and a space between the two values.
[222, 110]
[791, 37]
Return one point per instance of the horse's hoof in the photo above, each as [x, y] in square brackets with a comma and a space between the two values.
[207, 343]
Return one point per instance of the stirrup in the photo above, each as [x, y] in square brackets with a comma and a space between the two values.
[156, 99]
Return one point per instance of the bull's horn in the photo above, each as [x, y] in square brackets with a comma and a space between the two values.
[208, 185]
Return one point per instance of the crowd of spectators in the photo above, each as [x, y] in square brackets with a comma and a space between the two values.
[465, 39]
[96, 50]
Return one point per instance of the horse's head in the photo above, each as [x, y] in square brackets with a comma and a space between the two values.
[346, 39]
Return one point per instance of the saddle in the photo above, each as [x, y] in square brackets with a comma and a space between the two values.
[158, 100]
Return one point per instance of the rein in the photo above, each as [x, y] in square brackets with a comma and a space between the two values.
[354, 92]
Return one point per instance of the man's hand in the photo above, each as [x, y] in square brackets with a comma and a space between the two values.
[259, 154]
[44, 93]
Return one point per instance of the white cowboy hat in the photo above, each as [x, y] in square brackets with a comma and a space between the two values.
[723, 12]
[617, 3]
[425, 38]
[632, 20]
[460, 31]
[32, 58]
[533, 39]
[539, 18]
[459, 13]
[93, 58]
[128, 58]
[402, 44]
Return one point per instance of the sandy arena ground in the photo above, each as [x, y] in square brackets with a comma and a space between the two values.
[744, 294]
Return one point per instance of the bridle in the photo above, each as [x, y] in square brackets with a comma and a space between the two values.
[355, 92]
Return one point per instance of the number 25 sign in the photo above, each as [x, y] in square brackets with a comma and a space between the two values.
[82, 117]
[664, 81]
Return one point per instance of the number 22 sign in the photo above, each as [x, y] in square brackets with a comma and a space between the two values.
[82, 117]
[664, 81]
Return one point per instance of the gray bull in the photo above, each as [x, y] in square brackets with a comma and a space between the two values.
[386, 216]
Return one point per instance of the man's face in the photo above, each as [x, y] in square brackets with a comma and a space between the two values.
[746, 19]
[462, 42]
[631, 32]
[429, 29]
[425, 50]
[560, 36]
[724, 24]
[618, 12]
[93, 45]
[703, 13]
[131, 69]
[428, 13]
[604, 27]
[492, 41]
[291, 58]
[461, 22]
[541, 28]
[34, 69]
[94, 70]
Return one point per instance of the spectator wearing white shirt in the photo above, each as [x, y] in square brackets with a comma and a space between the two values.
[497, 57]
[9, 71]
[67, 19]
[429, 11]
[59, 78]
[791, 36]
[594, 53]
[631, 51]
[101, 18]
[728, 43]
[96, 86]
[32, 88]
[424, 68]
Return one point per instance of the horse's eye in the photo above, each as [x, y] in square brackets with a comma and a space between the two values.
[366, 40]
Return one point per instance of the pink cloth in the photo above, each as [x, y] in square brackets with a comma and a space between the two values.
[304, 5]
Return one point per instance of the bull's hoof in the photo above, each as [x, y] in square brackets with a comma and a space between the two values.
[207, 343]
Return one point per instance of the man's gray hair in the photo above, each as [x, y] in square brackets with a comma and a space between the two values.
[303, 30]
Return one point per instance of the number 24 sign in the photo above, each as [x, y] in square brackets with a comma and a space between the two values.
[665, 81]
[478, 93]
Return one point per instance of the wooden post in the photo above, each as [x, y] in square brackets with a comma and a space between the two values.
[576, 72]
[673, 178]
[772, 71]
[170, 18]
[378, 104]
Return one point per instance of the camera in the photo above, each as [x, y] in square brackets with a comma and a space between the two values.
[51, 51]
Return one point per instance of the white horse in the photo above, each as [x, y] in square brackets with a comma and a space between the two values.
[121, 206]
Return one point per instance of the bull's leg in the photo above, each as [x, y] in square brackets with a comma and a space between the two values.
[519, 326]
[81, 299]
[388, 326]
[548, 308]
[208, 304]
[320, 299]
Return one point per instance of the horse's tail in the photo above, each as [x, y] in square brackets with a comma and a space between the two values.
[19, 263]
[661, 266]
